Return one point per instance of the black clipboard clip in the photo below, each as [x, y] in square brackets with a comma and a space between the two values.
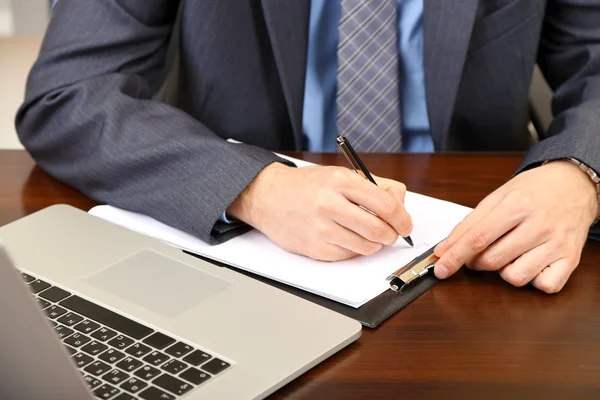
[414, 270]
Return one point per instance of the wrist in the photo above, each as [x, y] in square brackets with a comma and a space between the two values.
[589, 188]
[248, 206]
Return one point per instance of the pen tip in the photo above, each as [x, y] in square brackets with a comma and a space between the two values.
[409, 241]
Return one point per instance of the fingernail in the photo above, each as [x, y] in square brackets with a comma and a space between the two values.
[441, 271]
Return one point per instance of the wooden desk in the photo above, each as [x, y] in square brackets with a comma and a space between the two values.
[471, 337]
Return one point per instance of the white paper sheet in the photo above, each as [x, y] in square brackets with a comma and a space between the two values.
[351, 282]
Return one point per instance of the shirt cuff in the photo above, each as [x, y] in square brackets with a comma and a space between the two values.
[223, 218]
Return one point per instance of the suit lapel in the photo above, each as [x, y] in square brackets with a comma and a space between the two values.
[287, 24]
[447, 27]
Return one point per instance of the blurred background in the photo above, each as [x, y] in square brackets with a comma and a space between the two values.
[22, 26]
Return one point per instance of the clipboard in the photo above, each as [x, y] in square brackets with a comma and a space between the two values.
[406, 284]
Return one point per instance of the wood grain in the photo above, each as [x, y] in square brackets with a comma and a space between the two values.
[471, 337]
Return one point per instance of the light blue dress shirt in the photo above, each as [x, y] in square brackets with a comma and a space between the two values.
[319, 117]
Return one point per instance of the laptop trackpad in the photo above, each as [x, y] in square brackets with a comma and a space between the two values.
[158, 283]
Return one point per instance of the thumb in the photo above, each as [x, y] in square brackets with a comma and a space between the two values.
[395, 188]
[398, 192]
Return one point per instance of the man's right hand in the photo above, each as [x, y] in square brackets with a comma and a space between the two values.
[313, 211]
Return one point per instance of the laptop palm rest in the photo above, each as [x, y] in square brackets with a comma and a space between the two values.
[157, 283]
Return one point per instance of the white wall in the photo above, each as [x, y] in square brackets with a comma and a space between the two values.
[22, 25]
[6, 22]
[17, 55]
[30, 17]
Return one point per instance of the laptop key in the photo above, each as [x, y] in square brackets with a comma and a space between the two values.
[133, 385]
[106, 317]
[55, 294]
[138, 350]
[98, 368]
[173, 385]
[159, 340]
[215, 366]
[106, 392]
[156, 358]
[153, 393]
[38, 285]
[71, 350]
[42, 303]
[111, 356]
[195, 376]
[94, 348]
[174, 366]
[103, 334]
[91, 381]
[77, 340]
[87, 326]
[179, 349]
[115, 377]
[197, 357]
[120, 342]
[147, 372]
[54, 312]
[125, 396]
[28, 278]
[70, 319]
[62, 331]
[129, 364]
[81, 360]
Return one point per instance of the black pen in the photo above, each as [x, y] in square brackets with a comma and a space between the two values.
[359, 167]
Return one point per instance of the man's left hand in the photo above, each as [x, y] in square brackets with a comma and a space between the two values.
[532, 229]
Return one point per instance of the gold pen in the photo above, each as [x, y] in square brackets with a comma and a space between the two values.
[359, 167]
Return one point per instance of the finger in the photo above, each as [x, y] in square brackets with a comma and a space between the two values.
[554, 277]
[526, 267]
[395, 188]
[349, 240]
[324, 251]
[508, 248]
[398, 191]
[482, 209]
[365, 224]
[477, 239]
[380, 202]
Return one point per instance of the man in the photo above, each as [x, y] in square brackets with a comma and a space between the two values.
[412, 75]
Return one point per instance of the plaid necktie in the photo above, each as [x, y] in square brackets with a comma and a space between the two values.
[368, 104]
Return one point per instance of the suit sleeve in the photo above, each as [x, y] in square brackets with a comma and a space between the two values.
[569, 57]
[89, 120]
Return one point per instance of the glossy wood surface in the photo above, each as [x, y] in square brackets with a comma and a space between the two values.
[471, 337]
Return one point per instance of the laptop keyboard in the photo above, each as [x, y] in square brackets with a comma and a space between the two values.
[119, 358]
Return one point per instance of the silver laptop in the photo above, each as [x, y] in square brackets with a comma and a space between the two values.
[127, 317]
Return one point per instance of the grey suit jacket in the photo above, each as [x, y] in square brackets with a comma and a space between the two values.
[89, 118]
